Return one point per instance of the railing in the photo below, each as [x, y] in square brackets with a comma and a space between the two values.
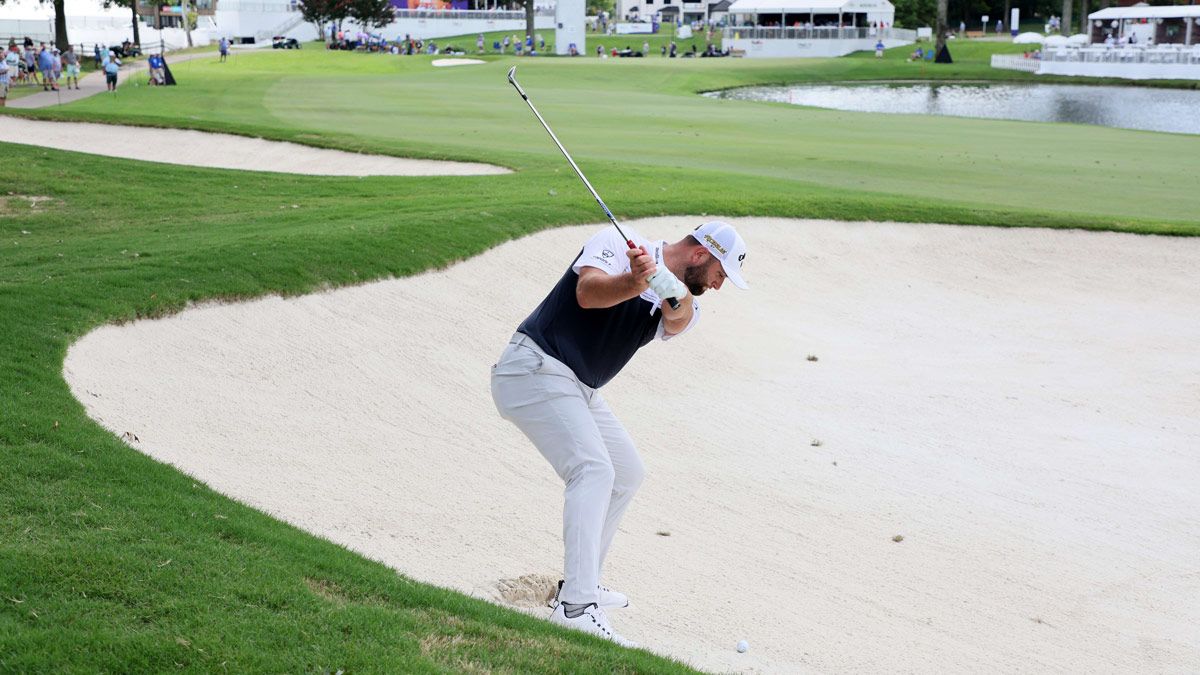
[261, 7]
[1167, 54]
[281, 29]
[1013, 62]
[816, 33]
[461, 14]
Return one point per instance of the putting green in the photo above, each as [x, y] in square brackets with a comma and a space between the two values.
[617, 115]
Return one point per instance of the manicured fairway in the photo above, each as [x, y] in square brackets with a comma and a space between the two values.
[631, 122]
[109, 561]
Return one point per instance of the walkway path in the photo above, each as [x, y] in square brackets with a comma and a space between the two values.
[93, 83]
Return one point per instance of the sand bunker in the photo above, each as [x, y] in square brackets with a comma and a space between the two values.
[222, 151]
[1019, 405]
[441, 63]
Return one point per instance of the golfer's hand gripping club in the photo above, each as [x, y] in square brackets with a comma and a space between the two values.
[667, 285]
[512, 79]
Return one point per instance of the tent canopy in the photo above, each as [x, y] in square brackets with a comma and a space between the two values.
[1143, 12]
[810, 6]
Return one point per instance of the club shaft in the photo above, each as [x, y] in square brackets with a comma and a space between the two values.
[512, 79]
[566, 154]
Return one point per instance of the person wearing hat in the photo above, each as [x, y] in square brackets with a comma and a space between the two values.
[608, 304]
[112, 66]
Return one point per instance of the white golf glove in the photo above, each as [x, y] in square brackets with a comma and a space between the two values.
[666, 285]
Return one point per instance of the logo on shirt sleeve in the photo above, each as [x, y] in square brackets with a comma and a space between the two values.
[604, 257]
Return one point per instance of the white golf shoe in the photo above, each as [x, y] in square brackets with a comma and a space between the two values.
[592, 620]
[609, 599]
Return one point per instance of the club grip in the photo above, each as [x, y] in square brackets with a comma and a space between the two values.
[670, 301]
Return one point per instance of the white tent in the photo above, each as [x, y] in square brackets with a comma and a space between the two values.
[875, 10]
[1147, 12]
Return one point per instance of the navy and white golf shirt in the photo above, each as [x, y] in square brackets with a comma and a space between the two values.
[597, 343]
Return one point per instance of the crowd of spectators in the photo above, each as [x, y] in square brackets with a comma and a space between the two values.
[41, 64]
[37, 65]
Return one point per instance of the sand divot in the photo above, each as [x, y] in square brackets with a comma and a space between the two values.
[528, 591]
[1019, 404]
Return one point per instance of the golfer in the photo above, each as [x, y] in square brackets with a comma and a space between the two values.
[547, 383]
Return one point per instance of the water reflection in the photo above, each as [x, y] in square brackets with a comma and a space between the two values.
[1126, 107]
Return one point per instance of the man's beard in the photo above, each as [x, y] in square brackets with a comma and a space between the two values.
[694, 278]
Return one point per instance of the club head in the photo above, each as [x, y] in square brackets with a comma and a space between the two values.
[512, 75]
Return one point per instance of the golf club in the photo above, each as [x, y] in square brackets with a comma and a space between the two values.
[512, 79]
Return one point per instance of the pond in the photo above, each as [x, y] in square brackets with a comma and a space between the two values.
[1174, 110]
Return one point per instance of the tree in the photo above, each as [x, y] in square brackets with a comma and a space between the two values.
[371, 13]
[318, 13]
[940, 41]
[1065, 27]
[60, 25]
[136, 19]
[915, 13]
[529, 17]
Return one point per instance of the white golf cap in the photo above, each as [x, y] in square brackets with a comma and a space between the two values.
[726, 245]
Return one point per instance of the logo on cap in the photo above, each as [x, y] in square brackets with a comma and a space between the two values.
[713, 242]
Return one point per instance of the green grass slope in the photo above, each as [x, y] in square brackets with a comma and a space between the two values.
[112, 562]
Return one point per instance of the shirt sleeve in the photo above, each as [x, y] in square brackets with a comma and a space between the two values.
[662, 325]
[606, 251]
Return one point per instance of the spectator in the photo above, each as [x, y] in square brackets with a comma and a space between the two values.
[31, 65]
[158, 75]
[112, 65]
[541, 43]
[71, 64]
[223, 46]
[45, 63]
[999, 26]
[646, 48]
[3, 82]
[879, 49]
[97, 55]
[16, 69]
[962, 28]
[57, 64]
[479, 43]
[917, 54]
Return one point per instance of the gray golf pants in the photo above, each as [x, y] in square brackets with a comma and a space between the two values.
[571, 425]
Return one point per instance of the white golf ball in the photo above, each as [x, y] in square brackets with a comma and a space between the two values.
[743, 646]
